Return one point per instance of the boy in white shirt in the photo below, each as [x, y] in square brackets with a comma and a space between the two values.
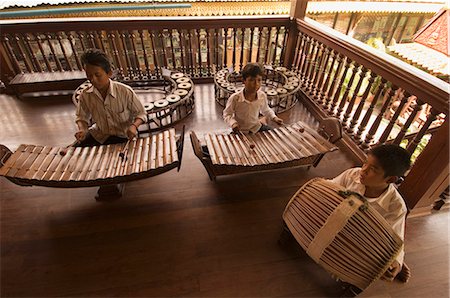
[242, 110]
[113, 106]
[374, 180]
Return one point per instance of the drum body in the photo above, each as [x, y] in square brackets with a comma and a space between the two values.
[341, 232]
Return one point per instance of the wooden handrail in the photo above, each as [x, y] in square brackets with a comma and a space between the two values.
[425, 86]
[89, 24]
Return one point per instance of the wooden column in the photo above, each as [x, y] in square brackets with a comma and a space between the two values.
[429, 176]
[298, 11]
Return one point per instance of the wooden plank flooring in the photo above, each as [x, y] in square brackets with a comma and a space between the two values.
[176, 234]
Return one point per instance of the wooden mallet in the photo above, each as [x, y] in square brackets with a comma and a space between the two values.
[63, 152]
[123, 153]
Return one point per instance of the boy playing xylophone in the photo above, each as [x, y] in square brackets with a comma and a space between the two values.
[114, 107]
[384, 165]
[242, 110]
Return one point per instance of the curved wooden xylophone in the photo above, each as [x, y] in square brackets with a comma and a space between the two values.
[289, 146]
[92, 166]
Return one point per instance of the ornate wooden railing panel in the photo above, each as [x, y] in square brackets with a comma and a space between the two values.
[140, 48]
[377, 99]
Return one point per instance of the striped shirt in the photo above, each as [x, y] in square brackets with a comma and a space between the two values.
[113, 115]
[246, 113]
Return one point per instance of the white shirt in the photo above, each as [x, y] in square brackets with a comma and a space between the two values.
[246, 113]
[389, 204]
[112, 115]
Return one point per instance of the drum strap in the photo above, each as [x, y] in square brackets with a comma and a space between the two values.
[332, 226]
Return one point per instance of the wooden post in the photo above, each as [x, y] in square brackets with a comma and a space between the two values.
[298, 11]
[429, 176]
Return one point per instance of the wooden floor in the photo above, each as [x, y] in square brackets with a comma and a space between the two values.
[177, 234]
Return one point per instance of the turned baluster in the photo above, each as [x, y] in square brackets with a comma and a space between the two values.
[412, 117]
[182, 51]
[348, 65]
[376, 124]
[362, 71]
[63, 50]
[413, 145]
[208, 55]
[12, 55]
[155, 53]
[354, 68]
[36, 65]
[44, 55]
[144, 52]
[387, 131]
[356, 115]
[52, 50]
[363, 124]
[115, 50]
[74, 51]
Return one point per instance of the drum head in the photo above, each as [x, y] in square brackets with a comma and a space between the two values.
[293, 79]
[180, 92]
[173, 98]
[225, 85]
[222, 81]
[185, 85]
[231, 88]
[295, 84]
[183, 80]
[161, 103]
[149, 106]
[177, 75]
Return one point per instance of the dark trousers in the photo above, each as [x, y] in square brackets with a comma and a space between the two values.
[89, 141]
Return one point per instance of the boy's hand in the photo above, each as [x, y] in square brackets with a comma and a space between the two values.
[278, 120]
[392, 272]
[235, 127]
[132, 132]
[81, 134]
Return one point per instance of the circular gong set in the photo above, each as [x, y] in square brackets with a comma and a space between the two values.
[176, 104]
[280, 84]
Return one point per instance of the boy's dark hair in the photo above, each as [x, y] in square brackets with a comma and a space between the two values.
[393, 159]
[96, 57]
[252, 70]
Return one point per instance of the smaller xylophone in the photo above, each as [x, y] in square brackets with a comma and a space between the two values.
[288, 146]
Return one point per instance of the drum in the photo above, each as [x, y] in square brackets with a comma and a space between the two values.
[341, 232]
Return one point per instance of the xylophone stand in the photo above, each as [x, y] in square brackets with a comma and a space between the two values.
[108, 193]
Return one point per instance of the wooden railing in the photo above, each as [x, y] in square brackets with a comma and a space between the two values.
[377, 98]
[141, 47]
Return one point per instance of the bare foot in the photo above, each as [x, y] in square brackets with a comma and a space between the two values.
[404, 274]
